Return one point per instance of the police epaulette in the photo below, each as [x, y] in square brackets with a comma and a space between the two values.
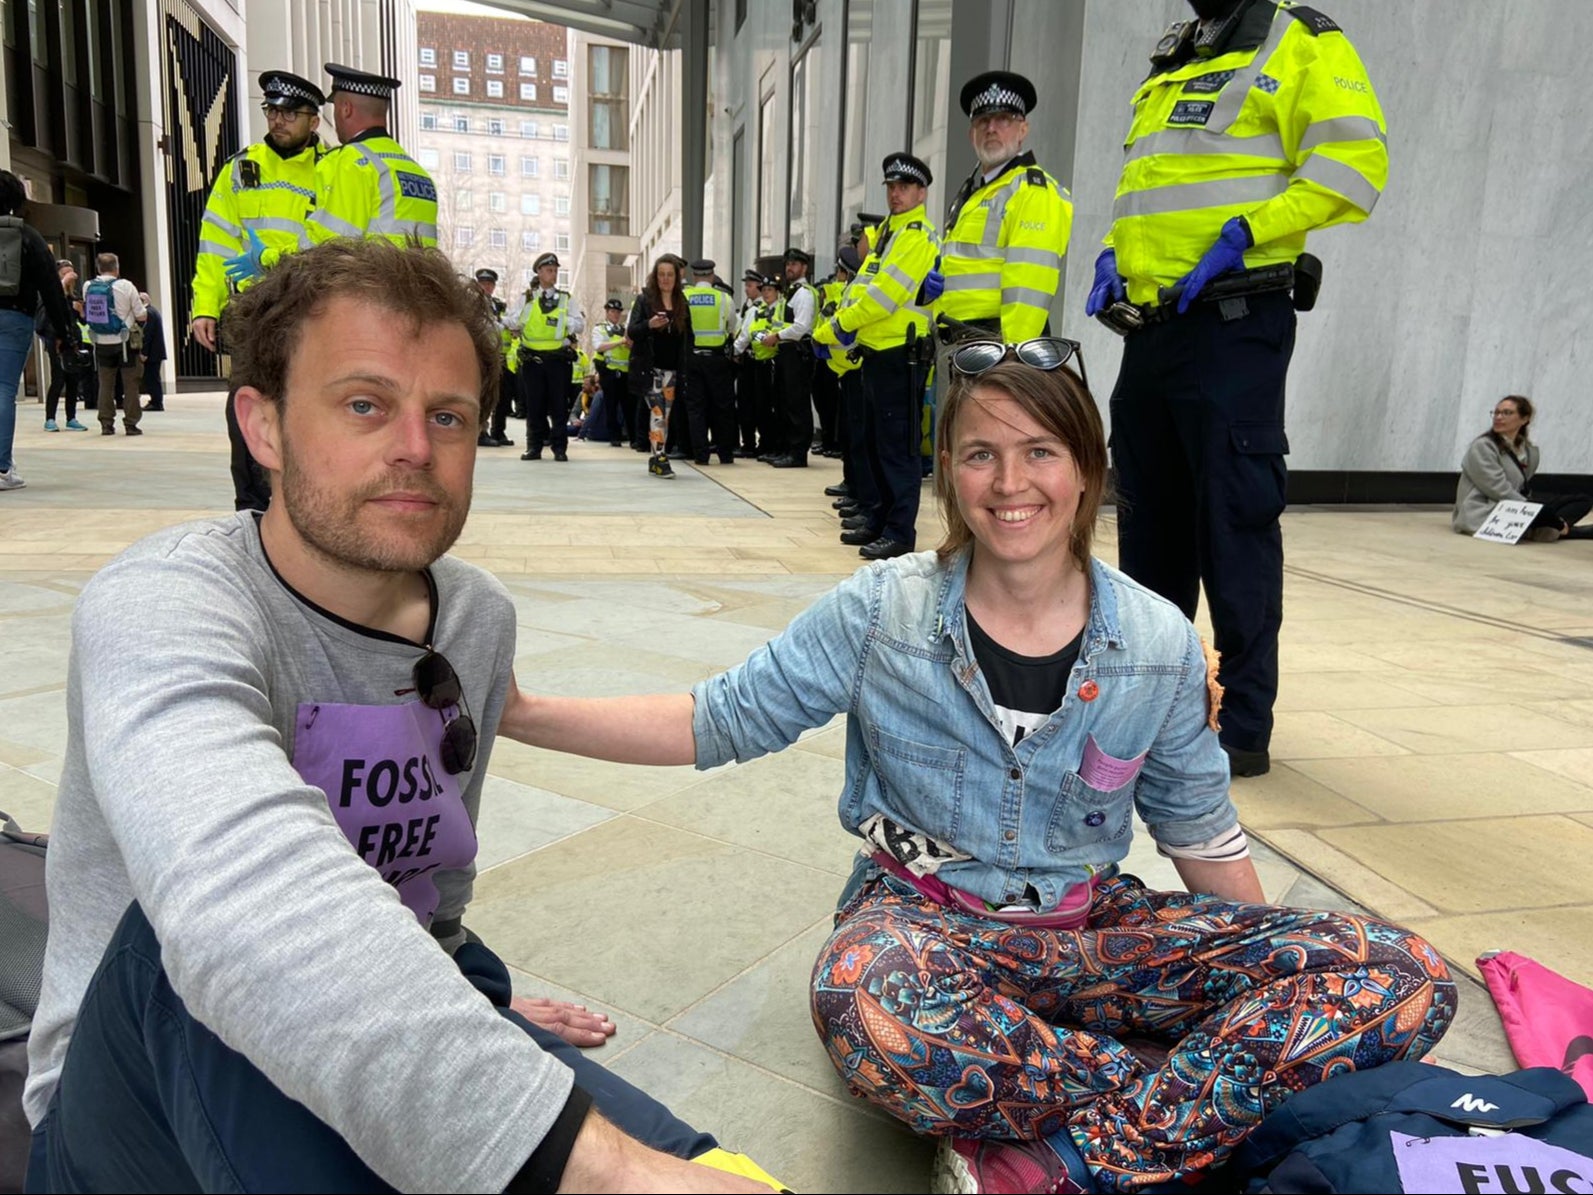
[916, 224]
[1035, 176]
[1316, 23]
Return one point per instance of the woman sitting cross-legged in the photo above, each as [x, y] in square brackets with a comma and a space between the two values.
[993, 979]
[1499, 467]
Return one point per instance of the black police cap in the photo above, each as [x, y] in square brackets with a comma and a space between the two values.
[802, 255]
[702, 266]
[904, 168]
[752, 276]
[284, 89]
[547, 259]
[998, 91]
[486, 275]
[613, 305]
[346, 78]
[848, 259]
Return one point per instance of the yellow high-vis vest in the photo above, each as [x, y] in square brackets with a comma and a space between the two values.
[711, 315]
[883, 300]
[371, 187]
[1287, 134]
[542, 328]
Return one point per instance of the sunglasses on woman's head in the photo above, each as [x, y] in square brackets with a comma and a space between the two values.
[1043, 353]
[437, 685]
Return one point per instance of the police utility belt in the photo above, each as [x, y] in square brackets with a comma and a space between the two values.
[1229, 291]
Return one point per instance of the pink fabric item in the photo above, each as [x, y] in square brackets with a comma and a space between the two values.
[1547, 1017]
[1073, 912]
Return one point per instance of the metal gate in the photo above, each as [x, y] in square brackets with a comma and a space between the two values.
[199, 83]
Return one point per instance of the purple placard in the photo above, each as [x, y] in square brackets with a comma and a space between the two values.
[1488, 1165]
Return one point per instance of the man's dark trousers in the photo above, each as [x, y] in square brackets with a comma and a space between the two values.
[711, 403]
[854, 472]
[747, 403]
[1198, 443]
[151, 1100]
[545, 397]
[891, 405]
[616, 401]
[793, 371]
[499, 425]
[251, 486]
[826, 401]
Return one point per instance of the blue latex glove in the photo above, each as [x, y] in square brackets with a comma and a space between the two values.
[821, 352]
[1226, 256]
[934, 282]
[247, 264]
[1109, 287]
[844, 339]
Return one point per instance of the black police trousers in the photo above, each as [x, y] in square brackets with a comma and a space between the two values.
[251, 485]
[711, 404]
[793, 371]
[891, 435]
[1198, 443]
[545, 398]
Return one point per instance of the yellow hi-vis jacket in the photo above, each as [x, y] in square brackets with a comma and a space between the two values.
[1004, 248]
[886, 303]
[618, 358]
[768, 319]
[1286, 132]
[257, 189]
[713, 316]
[370, 187]
[542, 331]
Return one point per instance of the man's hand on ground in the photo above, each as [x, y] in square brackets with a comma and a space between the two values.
[575, 1023]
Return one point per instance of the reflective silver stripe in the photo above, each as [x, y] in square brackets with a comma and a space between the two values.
[226, 226]
[901, 276]
[1336, 176]
[1183, 197]
[973, 281]
[218, 250]
[1232, 98]
[336, 225]
[1342, 128]
[392, 226]
[1199, 141]
[884, 300]
[1025, 294]
[386, 195]
[274, 224]
[1047, 258]
[997, 213]
[967, 249]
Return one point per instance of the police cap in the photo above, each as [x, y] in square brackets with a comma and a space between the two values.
[702, 266]
[346, 78]
[998, 91]
[802, 255]
[486, 275]
[752, 276]
[848, 259]
[613, 305]
[869, 219]
[904, 168]
[547, 259]
[771, 280]
[285, 90]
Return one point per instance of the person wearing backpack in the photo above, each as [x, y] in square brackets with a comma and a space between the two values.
[27, 278]
[115, 315]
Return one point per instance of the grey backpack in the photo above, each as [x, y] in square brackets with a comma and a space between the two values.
[10, 256]
[24, 921]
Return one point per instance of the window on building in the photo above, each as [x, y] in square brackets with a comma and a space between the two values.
[561, 69]
[528, 128]
[430, 159]
[495, 126]
[428, 121]
[461, 161]
[855, 176]
[530, 167]
[561, 167]
[564, 277]
[428, 56]
[561, 241]
[608, 192]
[528, 92]
[497, 164]
[561, 205]
[607, 76]
[495, 64]
[766, 219]
[561, 132]
[561, 95]
[464, 200]
[461, 60]
[803, 206]
[528, 65]
[497, 201]
[464, 236]
[530, 240]
[495, 89]
[461, 84]
[498, 239]
[530, 204]
[428, 82]
[461, 124]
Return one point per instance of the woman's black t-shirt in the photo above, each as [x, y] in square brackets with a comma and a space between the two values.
[1026, 690]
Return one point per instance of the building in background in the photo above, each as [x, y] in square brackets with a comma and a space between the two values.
[600, 119]
[496, 135]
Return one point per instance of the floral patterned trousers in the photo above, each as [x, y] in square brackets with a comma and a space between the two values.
[1158, 1037]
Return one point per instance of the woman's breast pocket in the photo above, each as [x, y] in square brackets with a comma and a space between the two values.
[1096, 803]
[922, 782]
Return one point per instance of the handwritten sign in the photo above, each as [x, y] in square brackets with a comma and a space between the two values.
[1508, 521]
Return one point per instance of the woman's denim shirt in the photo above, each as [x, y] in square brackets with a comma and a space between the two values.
[889, 647]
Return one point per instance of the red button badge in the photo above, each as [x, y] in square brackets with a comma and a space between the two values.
[1089, 691]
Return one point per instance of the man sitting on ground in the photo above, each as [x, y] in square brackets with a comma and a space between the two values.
[234, 999]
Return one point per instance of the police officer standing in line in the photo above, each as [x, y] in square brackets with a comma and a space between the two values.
[793, 367]
[260, 195]
[1008, 225]
[547, 319]
[710, 379]
[746, 372]
[891, 330]
[826, 382]
[369, 186]
[849, 413]
[613, 359]
[498, 434]
[1256, 125]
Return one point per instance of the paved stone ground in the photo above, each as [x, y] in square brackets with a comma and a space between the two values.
[1433, 757]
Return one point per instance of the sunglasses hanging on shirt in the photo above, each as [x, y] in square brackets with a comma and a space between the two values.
[437, 685]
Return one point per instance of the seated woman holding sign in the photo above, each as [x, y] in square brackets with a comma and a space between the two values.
[1499, 467]
[1011, 702]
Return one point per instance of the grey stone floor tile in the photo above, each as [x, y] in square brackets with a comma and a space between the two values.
[516, 819]
[629, 1029]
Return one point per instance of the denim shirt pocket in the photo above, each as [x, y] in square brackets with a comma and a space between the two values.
[1086, 816]
[922, 783]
